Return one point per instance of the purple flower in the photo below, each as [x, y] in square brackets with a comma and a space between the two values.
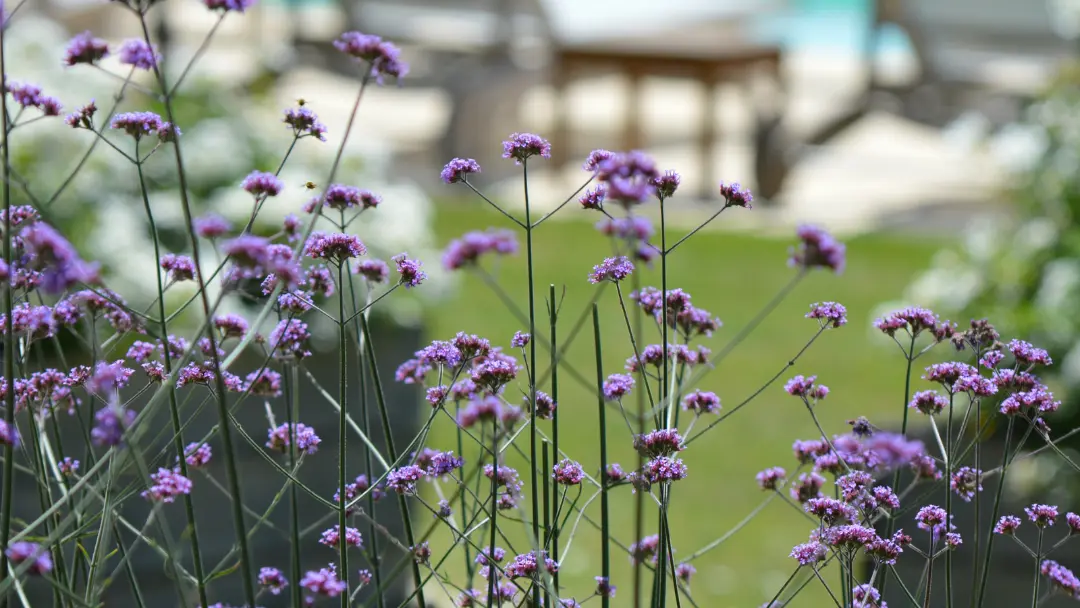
[1037, 399]
[289, 339]
[494, 374]
[966, 481]
[469, 248]
[231, 326]
[280, 437]
[335, 247]
[645, 549]
[701, 402]
[138, 124]
[664, 468]
[949, 373]
[930, 517]
[527, 565]
[770, 478]
[617, 386]
[197, 455]
[660, 442]
[1041, 515]
[736, 196]
[521, 146]
[568, 473]
[55, 258]
[928, 402]
[273, 580]
[604, 588]
[83, 117]
[665, 184]
[612, 269]
[441, 353]
[805, 387]
[411, 275]
[828, 314]
[168, 484]
[592, 162]
[545, 405]
[867, 597]
[291, 225]
[261, 183]
[179, 267]
[830, 510]
[991, 358]
[807, 486]
[1061, 578]
[1029, 355]
[383, 57]
[324, 582]
[809, 553]
[914, 320]
[84, 48]
[520, 339]
[1007, 524]
[374, 271]
[23, 551]
[211, 226]
[403, 479]
[9, 435]
[137, 53]
[443, 463]
[304, 123]
[594, 198]
[225, 6]
[817, 249]
[332, 536]
[68, 466]
[458, 170]
[1073, 520]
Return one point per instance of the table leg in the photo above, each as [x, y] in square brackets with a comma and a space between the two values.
[707, 138]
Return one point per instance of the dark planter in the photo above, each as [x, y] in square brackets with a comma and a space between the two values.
[260, 483]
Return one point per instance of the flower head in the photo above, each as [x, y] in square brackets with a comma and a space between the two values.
[211, 226]
[411, 275]
[335, 247]
[382, 57]
[261, 183]
[568, 473]
[617, 386]
[817, 249]
[521, 146]
[612, 269]
[168, 484]
[137, 53]
[736, 196]
[458, 170]
[85, 48]
[1041, 515]
[272, 580]
[24, 551]
[304, 123]
[828, 314]
[280, 437]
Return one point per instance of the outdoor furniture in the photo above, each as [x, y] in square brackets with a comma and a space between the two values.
[708, 65]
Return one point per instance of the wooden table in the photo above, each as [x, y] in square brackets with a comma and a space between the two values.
[676, 55]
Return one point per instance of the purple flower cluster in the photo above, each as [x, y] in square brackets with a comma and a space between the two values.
[304, 123]
[382, 57]
[521, 146]
[262, 184]
[409, 270]
[612, 269]
[568, 473]
[23, 551]
[828, 314]
[817, 249]
[168, 484]
[469, 248]
[138, 54]
[280, 438]
[458, 170]
[85, 48]
[334, 247]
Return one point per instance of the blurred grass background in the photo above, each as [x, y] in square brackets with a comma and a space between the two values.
[733, 275]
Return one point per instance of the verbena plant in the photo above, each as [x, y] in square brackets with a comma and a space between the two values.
[55, 298]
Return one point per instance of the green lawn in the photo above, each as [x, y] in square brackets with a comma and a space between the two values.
[732, 275]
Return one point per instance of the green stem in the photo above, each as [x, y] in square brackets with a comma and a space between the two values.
[9, 335]
[553, 316]
[1038, 573]
[531, 370]
[224, 426]
[380, 399]
[174, 408]
[292, 411]
[343, 557]
[605, 530]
